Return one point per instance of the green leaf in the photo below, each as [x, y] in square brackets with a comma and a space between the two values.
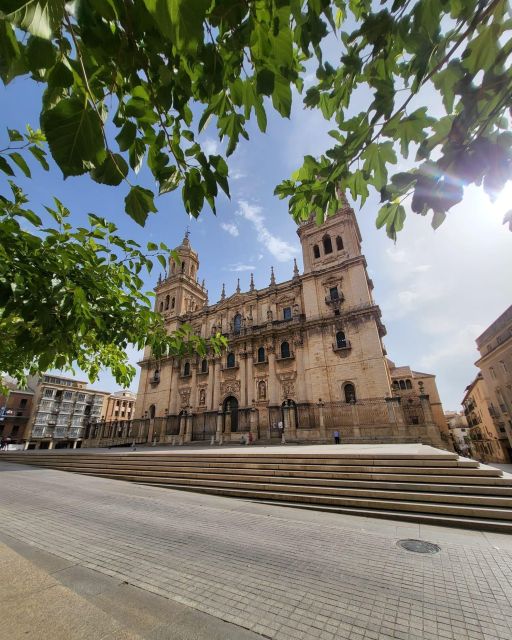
[39, 155]
[376, 156]
[40, 17]
[20, 161]
[112, 171]
[14, 135]
[483, 50]
[282, 96]
[74, 135]
[139, 203]
[41, 54]
[5, 166]
[126, 137]
[162, 260]
[265, 81]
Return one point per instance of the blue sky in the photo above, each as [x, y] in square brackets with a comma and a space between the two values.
[437, 290]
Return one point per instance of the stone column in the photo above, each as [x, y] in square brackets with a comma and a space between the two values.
[211, 374]
[249, 372]
[50, 446]
[292, 424]
[227, 426]
[193, 383]
[74, 444]
[355, 421]
[243, 383]
[321, 420]
[188, 428]
[216, 384]
[273, 391]
[218, 435]
[174, 393]
[254, 422]
[183, 424]
[301, 385]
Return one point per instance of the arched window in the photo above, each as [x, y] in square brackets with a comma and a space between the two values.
[341, 341]
[230, 360]
[237, 323]
[402, 384]
[350, 392]
[173, 303]
[166, 302]
[262, 390]
[161, 306]
[186, 369]
[408, 384]
[316, 251]
[183, 267]
[327, 244]
[192, 272]
[285, 350]
[261, 354]
[339, 243]
[204, 366]
[395, 384]
[152, 411]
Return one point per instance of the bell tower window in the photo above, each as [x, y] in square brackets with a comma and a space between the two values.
[339, 243]
[237, 323]
[326, 240]
[316, 251]
[166, 302]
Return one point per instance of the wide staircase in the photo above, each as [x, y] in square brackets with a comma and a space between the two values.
[432, 488]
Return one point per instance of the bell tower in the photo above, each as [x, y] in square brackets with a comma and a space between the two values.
[180, 293]
[335, 240]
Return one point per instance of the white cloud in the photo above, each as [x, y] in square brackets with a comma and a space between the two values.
[458, 346]
[210, 147]
[230, 228]
[238, 266]
[281, 250]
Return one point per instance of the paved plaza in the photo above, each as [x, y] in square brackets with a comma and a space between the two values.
[276, 572]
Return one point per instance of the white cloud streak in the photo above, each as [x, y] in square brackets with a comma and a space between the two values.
[231, 228]
[238, 266]
[281, 250]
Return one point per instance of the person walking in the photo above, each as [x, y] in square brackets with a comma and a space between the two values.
[336, 437]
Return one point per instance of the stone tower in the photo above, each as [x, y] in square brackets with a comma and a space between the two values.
[180, 293]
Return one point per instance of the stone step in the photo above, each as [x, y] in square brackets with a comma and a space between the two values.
[412, 506]
[437, 484]
[501, 526]
[502, 503]
[423, 474]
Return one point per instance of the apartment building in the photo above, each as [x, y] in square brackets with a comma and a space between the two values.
[62, 409]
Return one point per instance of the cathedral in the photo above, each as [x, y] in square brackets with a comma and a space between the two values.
[305, 357]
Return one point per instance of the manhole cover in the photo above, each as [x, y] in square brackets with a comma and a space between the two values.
[419, 546]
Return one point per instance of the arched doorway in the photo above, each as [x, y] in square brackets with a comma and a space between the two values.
[230, 410]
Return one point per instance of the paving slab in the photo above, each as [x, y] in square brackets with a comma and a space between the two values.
[277, 572]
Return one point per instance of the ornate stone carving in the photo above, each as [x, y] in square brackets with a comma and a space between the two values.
[185, 396]
[287, 381]
[230, 387]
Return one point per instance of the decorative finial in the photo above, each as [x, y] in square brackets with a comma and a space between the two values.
[206, 299]
[251, 287]
[295, 269]
[202, 284]
[272, 277]
[186, 241]
[223, 294]
[159, 278]
[238, 286]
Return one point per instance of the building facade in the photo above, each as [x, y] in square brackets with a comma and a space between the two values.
[120, 406]
[459, 431]
[305, 356]
[63, 410]
[487, 442]
[495, 364]
[15, 411]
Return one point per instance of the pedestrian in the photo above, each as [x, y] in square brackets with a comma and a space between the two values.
[3, 444]
[336, 437]
[280, 426]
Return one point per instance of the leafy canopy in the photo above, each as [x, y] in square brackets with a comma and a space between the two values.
[128, 82]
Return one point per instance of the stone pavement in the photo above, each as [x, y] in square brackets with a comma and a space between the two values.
[282, 573]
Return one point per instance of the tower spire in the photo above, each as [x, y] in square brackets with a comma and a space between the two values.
[238, 286]
[295, 269]
[251, 286]
[223, 294]
[272, 277]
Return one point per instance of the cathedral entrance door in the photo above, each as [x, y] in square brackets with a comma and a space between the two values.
[230, 408]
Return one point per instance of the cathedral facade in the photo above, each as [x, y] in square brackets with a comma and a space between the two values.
[305, 356]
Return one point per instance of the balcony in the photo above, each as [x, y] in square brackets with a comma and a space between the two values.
[42, 432]
[334, 300]
[346, 346]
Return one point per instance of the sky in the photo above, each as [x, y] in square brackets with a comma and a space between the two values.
[438, 290]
